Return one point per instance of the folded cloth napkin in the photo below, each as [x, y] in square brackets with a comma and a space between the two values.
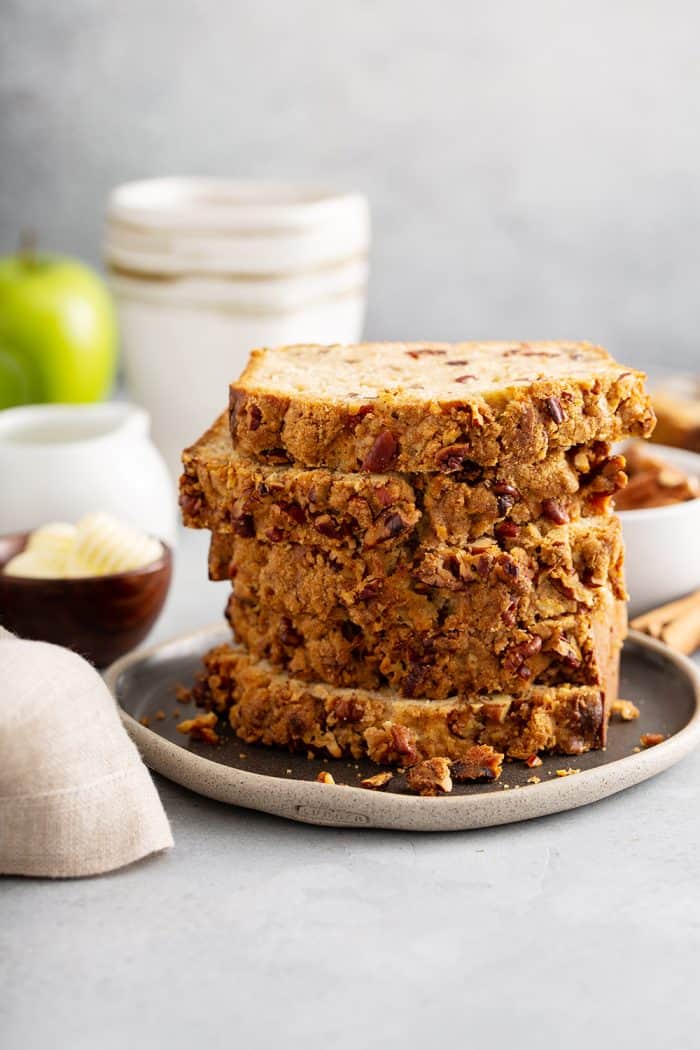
[75, 797]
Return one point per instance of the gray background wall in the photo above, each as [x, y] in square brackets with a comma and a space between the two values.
[533, 167]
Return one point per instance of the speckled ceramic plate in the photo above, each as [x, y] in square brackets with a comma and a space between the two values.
[665, 686]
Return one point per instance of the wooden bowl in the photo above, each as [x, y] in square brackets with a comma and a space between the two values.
[100, 617]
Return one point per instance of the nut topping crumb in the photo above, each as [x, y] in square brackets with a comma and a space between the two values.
[431, 777]
[625, 710]
[533, 761]
[570, 772]
[651, 739]
[379, 780]
[534, 780]
[201, 728]
[324, 777]
[480, 762]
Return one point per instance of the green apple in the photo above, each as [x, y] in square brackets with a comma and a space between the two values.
[58, 334]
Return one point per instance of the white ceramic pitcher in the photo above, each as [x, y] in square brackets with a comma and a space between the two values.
[58, 462]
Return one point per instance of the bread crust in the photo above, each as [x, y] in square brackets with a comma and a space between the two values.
[228, 492]
[445, 622]
[434, 661]
[272, 708]
[377, 407]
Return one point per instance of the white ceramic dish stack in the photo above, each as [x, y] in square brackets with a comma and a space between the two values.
[203, 270]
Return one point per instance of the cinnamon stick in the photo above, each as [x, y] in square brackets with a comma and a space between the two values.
[683, 634]
[676, 623]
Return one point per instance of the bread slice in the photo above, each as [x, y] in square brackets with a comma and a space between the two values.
[432, 406]
[565, 566]
[321, 617]
[228, 492]
[427, 662]
[272, 708]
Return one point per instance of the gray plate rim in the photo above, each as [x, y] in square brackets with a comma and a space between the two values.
[348, 806]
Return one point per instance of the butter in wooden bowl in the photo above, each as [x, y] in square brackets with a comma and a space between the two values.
[99, 545]
[96, 587]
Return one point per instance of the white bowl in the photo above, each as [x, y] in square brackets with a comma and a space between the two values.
[662, 559]
[58, 462]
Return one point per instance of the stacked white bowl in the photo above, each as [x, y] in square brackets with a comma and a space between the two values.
[203, 270]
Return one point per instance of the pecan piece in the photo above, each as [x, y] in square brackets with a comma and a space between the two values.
[288, 634]
[392, 525]
[382, 454]
[625, 710]
[391, 744]
[451, 564]
[414, 679]
[506, 570]
[355, 418]
[555, 410]
[504, 503]
[502, 488]
[330, 527]
[244, 526]
[379, 780]
[190, 505]
[425, 352]
[430, 777]
[564, 648]
[292, 510]
[589, 578]
[496, 710]
[371, 587]
[651, 739]
[480, 762]
[201, 728]
[452, 458]
[384, 496]
[347, 709]
[506, 530]
[278, 456]
[482, 566]
[517, 655]
[350, 631]
[324, 777]
[388, 526]
[462, 722]
[554, 511]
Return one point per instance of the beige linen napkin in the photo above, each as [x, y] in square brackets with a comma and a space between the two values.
[75, 797]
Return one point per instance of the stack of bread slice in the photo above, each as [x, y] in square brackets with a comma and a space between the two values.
[422, 547]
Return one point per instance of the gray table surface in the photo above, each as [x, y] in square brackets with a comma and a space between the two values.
[578, 930]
